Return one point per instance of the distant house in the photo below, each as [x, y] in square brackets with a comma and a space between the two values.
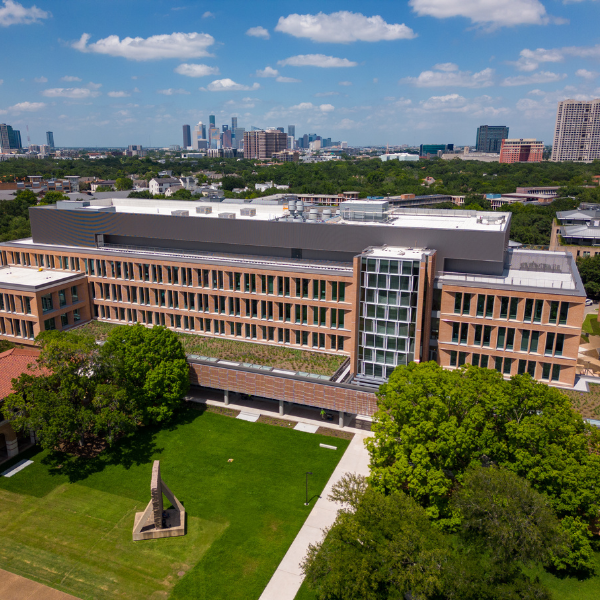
[159, 185]
[261, 187]
[170, 191]
[110, 183]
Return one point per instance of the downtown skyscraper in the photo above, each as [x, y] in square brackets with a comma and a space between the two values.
[577, 131]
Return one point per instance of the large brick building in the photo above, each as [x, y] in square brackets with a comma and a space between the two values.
[383, 286]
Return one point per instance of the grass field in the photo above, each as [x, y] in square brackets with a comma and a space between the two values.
[591, 325]
[318, 363]
[67, 522]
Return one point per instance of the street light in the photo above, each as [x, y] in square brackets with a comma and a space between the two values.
[307, 474]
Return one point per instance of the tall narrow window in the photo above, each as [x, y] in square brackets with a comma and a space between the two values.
[480, 305]
[455, 332]
[467, 304]
[501, 338]
[489, 307]
[514, 305]
[549, 344]
[528, 315]
[539, 306]
[525, 340]
[504, 307]
[564, 313]
[457, 302]
[553, 312]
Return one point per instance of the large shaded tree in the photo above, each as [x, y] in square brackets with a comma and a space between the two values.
[433, 424]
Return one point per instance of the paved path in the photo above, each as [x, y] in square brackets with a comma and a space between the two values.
[15, 587]
[286, 581]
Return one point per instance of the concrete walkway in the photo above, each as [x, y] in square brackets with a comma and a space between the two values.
[15, 587]
[286, 581]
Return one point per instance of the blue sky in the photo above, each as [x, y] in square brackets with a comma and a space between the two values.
[398, 72]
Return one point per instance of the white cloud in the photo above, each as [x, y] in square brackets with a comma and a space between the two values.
[346, 83]
[316, 60]
[542, 105]
[282, 79]
[26, 107]
[586, 74]
[175, 45]
[208, 15]
[73, 93]
[490, 13]
[41, 79]
[259, 32]
[172, 92]
[530, 60]
[70, 78]
[228, 85]
[267, 72]
[446, 67]
[310, 106]
[120, 94]
[541, 77]
[452, 79]
[13, 13]
[323, 94]
[451, 101]
[455, 103]
[1, 81]
[343, 27]
[193, 70]
[326, 107]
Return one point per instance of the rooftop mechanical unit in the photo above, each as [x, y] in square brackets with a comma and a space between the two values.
[227, 215]
[248, 212]
[180, 213]
[204, 210]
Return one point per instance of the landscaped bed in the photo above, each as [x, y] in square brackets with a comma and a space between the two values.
[291, 359]
[586, 403]
[67, 522]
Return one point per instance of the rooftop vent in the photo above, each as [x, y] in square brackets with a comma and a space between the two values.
[228, 215]
[204, 210]
[248, 212]
[180, 213]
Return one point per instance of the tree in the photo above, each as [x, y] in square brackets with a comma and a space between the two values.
[150, 364]
[182, 194]
[433, 424]
[104, 188]
[589, 269]
[53, 197]
[124, 183]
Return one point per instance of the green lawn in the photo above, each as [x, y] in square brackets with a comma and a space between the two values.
[67, 523]
[318, 363]
[591, 325]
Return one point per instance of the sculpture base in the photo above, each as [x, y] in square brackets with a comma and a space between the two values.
[175, 521]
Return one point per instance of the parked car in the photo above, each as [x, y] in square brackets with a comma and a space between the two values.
[589, 302]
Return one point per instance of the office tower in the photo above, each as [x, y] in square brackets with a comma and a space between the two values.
[187, 137]
[427, 150]
[292, 130]
[489, 138]
[305, 140]
[262, 144]
[239, 137]
[225, 127]
[577, 131]
[10, 139]
[211, 120]
[227, 141]
[214, 137]
[291, 141]
[233, 123]
[521, 150]
[50, 139]
[280, 129]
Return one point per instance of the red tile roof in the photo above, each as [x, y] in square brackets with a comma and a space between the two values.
[12, 363]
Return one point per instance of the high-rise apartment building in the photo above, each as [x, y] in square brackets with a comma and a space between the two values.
[187, 137]
[292, 130]
[10, 139]
[521, 150]
[262, 144]
[577, 131]
[50, 139]
[381, 286]
[489, 138]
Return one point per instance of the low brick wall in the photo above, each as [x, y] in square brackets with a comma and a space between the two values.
[325, 395]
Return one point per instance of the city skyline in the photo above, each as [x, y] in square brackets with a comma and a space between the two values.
[409, 73]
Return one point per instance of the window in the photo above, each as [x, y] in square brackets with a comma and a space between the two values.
[487, 335]
[504, 307]
[453, 357]
[546, 371]
[539, 306]
[76, 316]
[64, 320]
[498, 364]
[49, 324]
[27, 305]
[462, 358]
[555, 372]
[74, 295]
[560, 342]
[514, 305]
[528, 310]
[489, 307]
[457, 302]
[47, 303]
[455, 332]
[535, 337]
[475, 360]
[467, 304]
[62, 298]
[549, 344]
[507, 366]
[464, 333]
[564, 313]
[531, 368]
[553, 312]
[480, 305]
[510, 338]
[501, 338]
[525, 335]
[478, 332]
[484, 361]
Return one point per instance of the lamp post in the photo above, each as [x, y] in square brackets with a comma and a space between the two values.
[307, 474]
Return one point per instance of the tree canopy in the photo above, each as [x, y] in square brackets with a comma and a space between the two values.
[433, 424]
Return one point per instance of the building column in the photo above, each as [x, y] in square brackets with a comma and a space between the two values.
[342, 415]
[226, 397]
[12, 447]
[281, 408]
